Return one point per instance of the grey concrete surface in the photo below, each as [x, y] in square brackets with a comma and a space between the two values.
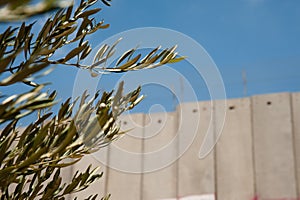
[97, 187]
[161, 183]
[234, 160]
[258, 152]
[296, 129]
[273, 146]
[195, 175]
[122, 184]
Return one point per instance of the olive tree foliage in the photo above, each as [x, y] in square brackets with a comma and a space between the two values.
[32, 157]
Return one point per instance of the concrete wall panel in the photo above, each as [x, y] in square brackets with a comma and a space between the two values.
[98, 187]
[125, 160]
[159, 132]
[273, 146]
[195, 175]
[234, 152]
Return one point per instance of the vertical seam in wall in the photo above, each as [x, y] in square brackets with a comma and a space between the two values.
[70, 176]
[177, 130]
[253, 147]
[142, 158]
[294, 143]
[106, 175]
[214, 121]
[177, 133]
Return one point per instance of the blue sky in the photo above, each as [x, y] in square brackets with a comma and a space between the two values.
[260, 37]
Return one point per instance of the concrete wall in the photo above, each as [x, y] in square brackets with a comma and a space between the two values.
[256, 157]
[273, 147]
[234, 157]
